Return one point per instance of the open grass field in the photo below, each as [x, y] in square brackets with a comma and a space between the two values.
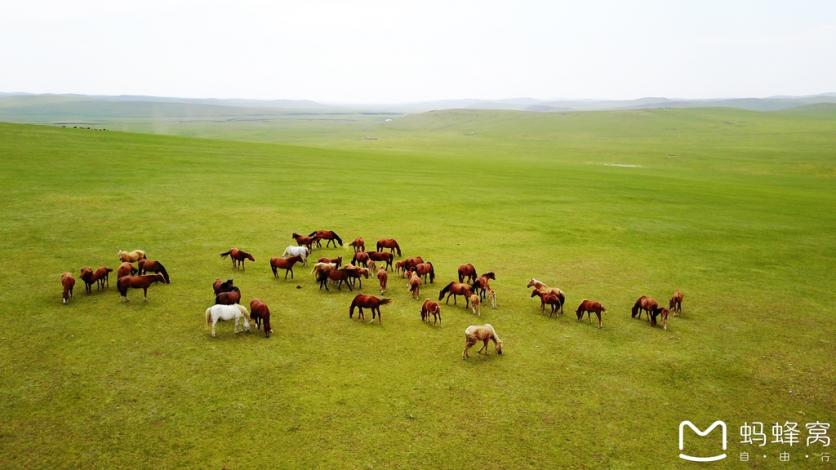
[735, 208]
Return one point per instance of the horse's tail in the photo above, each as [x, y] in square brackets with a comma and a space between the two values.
[398, 247]
[432, 272]
[351, 309]
[265, 317]
[444, 291]
[225, 254]
[209, 316]
[337, 237]
[635, 310]
[385, 301]
[164, 272]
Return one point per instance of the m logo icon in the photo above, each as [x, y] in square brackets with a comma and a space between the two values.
[707, 431]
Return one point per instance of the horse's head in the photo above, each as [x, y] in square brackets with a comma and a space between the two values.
[534, 292]
[499, 346]
[531, 283]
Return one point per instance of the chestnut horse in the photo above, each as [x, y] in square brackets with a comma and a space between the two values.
[338, 275]
[137, 282]
[125, 269]
[67, 282]
[338, 260]
[414, 284]
[360, 257]
[153, 266]
[664, 313]
[356, 274]
[238, 257]
[424, 270]
[589, 307]
[467, 271]
[483, 285]
[390, 243]
[431, 307]
[554, 300]
[222, 286]
[284, 263]
[367, 301]
[484, 333]
[545, 290]
[382, 278]
[407, 264]
[358, 244]
[382, 256]
[230, 297]
[102, 276]
[302, 240]
[644, 303]
[329, 235]
[456, 289]
[675, 304]
[130, 256]
[259, 312]
[476, 305]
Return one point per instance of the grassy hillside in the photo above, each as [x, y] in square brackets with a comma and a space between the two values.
[731, 207]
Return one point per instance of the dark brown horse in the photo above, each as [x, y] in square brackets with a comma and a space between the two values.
[483, 285]
[456, 289]
[137, 282]
[329, 235]
[358, 244]
[340, 276]
[362, 301]
[153, 266]
[589, 307]
[222, 286]
[382, 256]
[238, 257]
[284, 263]
[360, 258]
[675, 304]
[67, 282]
[467, 271]
[302, 240]
[230, 297]
[259, 312]
[431, 307]
[390, 243]
[338, 260]
[125, 269]
[424, 270]
[554, 300]
[644, 303]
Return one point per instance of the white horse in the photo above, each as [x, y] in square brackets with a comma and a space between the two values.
[219, 312]
[302, 251]
[484, 333]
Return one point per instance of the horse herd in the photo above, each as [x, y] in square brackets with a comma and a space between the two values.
[474, 288]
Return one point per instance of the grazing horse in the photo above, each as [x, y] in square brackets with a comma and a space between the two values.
[238, 257]
[476, 305]
[358, 244]
[431, 307]
[408, 264]
[589, 307]
[86, 275]
[284, 263]
[644, 303]
[153, 266]
[483, 333]
[360, 257]
[216, 313]
[482, 284]
[230, 297]
[390, 243]
[102, 276]
[664, 313]
[259, 312]
[221, 286]
[675, 304]
[67, 282]
[137, 282]
[356, 274]
[382, 278]
[414, 284]
[467, 271]
[302, 240]
[302, 251]
[455, 289]
[424, 270]
[338, 260]
[329, 235]
[125, 269]
[130, 256]
[338, 275]
[322, 267]
[535, 284]
[382, 256]
[367, 301]
[550, 297]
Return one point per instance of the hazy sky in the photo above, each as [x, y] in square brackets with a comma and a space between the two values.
[389, 50]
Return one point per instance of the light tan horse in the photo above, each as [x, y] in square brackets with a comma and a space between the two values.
[492, 297]
[131, 256]
[483, 333]
[476, 304]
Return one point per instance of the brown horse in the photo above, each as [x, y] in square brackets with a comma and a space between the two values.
[382, 278]
[86, 275]
[67, 282]
[130, 256]
[483, 285]
[476, 305]
[467, 271]
[456, 289]
[238, 257]
[675, 304]
[284, 263]
[329, 235]
[222, 286]
[360, 258]
[367, 301]
[259, 312]
[153, 266]
[414, 284]
[664, 313]
[390, 243]
[644, 303]
[382, 256]
[340, 276]
[102, 276]
[407, 264]
[552, 299]
[125, 269]
[545, 290]
[137, 282]
[431, 307]
[358, 244]
[424, 270]
[484, 333]
[302, 240]
[230, 297]
[338, 260]
[589, 307]
[356, 274]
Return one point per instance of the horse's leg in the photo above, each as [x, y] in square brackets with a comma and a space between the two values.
[145, 293]
[600, 320]
[213, 327]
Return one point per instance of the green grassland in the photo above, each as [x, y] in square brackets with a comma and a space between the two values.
[735, 208]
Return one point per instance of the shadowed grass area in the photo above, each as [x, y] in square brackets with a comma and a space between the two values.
[738, 216]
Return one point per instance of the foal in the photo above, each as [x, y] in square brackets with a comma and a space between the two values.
[414, 284]
[67, 282]
[382, 277]
[675, 304]
[476, 305]
[431, 307]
